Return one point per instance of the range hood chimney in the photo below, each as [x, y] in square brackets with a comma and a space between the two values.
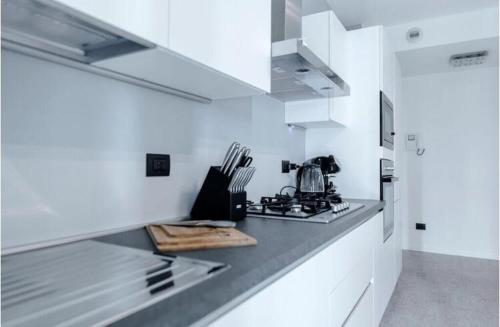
[297, 72]
[286, 20]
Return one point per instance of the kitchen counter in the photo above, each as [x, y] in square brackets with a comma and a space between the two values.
[282, 246]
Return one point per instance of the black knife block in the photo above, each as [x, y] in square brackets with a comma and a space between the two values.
[215, 202]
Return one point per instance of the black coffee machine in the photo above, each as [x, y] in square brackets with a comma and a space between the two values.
[309, 171]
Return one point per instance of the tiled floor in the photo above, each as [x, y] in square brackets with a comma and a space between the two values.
[442, 290]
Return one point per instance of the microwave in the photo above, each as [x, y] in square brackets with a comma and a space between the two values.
[386, 122]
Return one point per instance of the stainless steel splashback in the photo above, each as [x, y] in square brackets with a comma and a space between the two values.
[286, 20]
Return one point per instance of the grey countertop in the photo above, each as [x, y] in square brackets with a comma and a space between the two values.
[282, 245]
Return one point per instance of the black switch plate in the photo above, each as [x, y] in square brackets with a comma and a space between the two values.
[157, 164]
[420, 226]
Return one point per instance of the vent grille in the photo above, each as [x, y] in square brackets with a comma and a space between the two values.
[468, 59]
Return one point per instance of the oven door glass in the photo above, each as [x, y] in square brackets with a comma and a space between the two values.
[387, 127]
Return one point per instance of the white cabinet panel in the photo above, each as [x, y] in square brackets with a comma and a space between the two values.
[351, 289]
[347, 251]
[147, 19]
[316, 113]
[338, 47]
[297, 299]
[326, 36]
[214, 49]
[316, 34]
[164, 67]
[362, 316]
[398, 239]
[233, 37]
[330, 289]
[387, 67]
[384, 271]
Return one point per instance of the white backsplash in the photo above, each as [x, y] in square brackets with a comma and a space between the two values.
[74, 145]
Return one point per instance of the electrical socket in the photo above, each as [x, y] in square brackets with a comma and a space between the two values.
[157, 165]
[420, 226]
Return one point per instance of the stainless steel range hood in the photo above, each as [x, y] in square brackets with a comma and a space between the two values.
[297, 72]
[38, 25]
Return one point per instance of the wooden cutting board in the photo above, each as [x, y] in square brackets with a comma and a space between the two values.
[175, 238]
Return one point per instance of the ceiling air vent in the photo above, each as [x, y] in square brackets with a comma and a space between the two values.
[468, 59]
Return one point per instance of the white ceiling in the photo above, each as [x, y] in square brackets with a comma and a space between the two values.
[433, 60]
[391, 12]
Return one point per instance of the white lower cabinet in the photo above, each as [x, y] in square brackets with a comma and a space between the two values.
[349, 292]
[398, 238]
[333, 288]
[362, 315]
[297, 299]
[387, 267]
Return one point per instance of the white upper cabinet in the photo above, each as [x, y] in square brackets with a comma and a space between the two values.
[338, 47]
[233, 37]
[325, 35]
[317, 113]
[316, 34]
[146, 19]
[210, 49]
[387, 66]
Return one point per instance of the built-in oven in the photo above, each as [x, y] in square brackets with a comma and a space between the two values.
[386, 122]
[387, 181]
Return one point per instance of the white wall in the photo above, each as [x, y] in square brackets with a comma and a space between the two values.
[453, 187]
[450, 29]
[356, 146]
[74, 144]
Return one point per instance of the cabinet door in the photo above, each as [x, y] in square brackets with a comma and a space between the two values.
[362, 315]
[387, 66]
[233, 37]
[316, 34]
[384, 271]
[146, 19]
[297, 299]
[338, 47]
[398, 239]
[350, 290]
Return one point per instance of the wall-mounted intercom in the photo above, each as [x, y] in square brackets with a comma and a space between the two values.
[411, 142]
[413, 145]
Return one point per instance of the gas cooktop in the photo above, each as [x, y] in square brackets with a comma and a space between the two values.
[308, 209]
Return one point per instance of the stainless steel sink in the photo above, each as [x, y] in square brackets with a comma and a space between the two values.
[91, 283]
